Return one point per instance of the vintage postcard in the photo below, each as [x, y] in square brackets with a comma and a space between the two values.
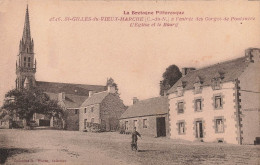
[129, 82]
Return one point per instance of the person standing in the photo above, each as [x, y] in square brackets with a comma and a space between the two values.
[135, 138]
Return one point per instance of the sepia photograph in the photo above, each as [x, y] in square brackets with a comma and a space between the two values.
[104, 82]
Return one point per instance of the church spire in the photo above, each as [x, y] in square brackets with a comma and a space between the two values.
[26, 29]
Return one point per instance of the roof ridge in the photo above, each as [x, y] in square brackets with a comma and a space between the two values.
[150, 99]
[223, 62]
[100, 92]
[69, 83]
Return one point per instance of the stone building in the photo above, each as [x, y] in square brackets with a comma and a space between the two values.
[101, 111]
[150, 117]
[218, 103]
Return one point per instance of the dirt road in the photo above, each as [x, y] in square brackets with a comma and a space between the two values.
[73, 147]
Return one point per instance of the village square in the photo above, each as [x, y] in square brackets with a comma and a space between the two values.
[208, 115]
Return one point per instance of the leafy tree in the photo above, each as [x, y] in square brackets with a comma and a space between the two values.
[24, 103]
[111, 82]
[170, 77]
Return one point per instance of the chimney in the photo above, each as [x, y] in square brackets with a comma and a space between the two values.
[111, 89]
[90, 93]
[61, 96]
[185, 71]
[135, 100]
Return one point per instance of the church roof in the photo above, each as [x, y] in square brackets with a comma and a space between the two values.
[68, 88]
[148, 107]
[71, 100]
[96, 98]
[229, 71]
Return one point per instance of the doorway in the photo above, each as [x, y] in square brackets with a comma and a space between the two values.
[199, 129]
[160, 125]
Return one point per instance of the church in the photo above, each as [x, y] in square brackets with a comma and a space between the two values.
[69, 96]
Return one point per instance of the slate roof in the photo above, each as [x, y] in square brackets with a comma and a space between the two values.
[71, 101]
[96, 98]
[149, 107]
[229, 70]
[68, 88]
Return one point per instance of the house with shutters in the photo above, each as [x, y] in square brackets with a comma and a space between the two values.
[218, 103]
[150, 117]
[101, 111]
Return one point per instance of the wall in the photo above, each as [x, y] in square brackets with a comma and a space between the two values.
[72, 120]
[151, 125]
[112, 108]
[207, 115]
[89, 115]
[249, 97]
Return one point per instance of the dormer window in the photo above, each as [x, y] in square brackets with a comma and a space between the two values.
[180, 88]
[216, 81]
[180, 91]
[197, 85]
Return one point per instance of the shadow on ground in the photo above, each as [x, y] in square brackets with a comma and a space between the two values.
[8, 152]
[147, 150]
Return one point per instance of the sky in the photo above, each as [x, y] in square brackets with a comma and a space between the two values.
[86, 52]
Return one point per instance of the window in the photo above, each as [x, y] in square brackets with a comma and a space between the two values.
[2, 123]
[126, 125]
[219, 126]
[85, 110]
[144, 123]
[198, 106]
[76, 111]
[24, 64]
[135, 123]
[92, 109]
[92, 120]
[29, 62]
[181, 128]
[85, 123]
[218, 102]
[24, 59]
[180, 107]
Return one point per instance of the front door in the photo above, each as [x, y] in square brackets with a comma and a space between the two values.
[199, 129]
[160, 125]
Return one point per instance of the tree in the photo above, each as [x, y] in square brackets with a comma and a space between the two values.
[111, 82]
[170, 77]
[24, 103]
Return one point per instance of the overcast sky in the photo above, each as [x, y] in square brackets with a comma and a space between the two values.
[89, 52]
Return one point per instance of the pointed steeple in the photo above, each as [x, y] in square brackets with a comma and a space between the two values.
[26, 29]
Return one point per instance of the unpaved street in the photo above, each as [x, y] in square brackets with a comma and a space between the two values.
[73, 147]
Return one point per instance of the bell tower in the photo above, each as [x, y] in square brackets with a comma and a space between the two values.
[26, 63]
